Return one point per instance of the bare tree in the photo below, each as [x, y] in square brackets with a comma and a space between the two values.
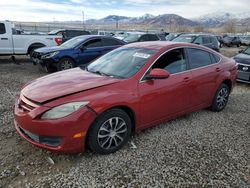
[199, 28]
[230, 26]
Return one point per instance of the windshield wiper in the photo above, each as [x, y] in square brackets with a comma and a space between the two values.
[105, 74]
[97, 72]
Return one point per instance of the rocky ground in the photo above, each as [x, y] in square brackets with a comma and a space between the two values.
[202, 149]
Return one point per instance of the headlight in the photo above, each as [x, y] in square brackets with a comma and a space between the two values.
[49, 55]
[63, 110]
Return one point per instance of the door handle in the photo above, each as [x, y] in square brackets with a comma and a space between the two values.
[186, 79]
[218, 69]
[4, 38]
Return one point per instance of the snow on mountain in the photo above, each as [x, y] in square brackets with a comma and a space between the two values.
[217, 19]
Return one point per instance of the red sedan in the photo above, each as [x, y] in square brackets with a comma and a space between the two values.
[131, 88]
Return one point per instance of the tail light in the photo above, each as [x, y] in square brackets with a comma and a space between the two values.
[58, 41]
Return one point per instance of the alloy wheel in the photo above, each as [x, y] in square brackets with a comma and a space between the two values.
[112, 133]
[222, 98]
[66, 64]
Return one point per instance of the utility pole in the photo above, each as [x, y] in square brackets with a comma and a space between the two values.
[83, 24]
[117, 23]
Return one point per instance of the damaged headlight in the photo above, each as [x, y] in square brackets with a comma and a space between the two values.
[49, 55]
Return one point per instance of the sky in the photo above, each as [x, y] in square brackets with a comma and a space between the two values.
[71, 10]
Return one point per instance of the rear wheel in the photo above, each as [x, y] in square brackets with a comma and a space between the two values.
[110, 132]
[65, 63]
[220, 98]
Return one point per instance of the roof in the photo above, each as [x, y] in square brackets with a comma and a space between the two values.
[158, 45]
[136, 32]
[196, 34]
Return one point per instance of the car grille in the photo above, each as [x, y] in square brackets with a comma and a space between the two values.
[244, 68]
[52, 141]
[25, 104]
[36, 55]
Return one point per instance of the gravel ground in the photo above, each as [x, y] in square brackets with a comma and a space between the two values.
[202, 149]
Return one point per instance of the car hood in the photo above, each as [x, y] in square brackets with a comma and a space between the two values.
[45, 50]
[64, 83]
[242, 58]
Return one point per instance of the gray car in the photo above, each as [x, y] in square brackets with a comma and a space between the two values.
[243, 61]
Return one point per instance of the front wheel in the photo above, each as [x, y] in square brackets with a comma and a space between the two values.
[65, 63]
[221, 98]
[110, 132]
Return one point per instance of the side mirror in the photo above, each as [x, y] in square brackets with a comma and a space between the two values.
[240, 51]
[82, 48]
[158, 74]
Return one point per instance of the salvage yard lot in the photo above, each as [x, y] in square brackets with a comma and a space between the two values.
[200, 149]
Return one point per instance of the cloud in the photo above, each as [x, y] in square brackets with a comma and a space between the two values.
[66, 10]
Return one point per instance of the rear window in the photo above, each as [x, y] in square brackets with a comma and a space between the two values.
[2, 28]
[152, 38]
[214, 58]
[198, 58]
[111, 42]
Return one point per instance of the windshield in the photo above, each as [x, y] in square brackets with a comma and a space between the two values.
[189, 39]
[246, 51]
[132, 37]
[53, 32]
[171, 36]
[72, 43]
[122, 62]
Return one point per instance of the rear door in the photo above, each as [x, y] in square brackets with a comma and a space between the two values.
[205, 71]
[110, 44]
[5, 40]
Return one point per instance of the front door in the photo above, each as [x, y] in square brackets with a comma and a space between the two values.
[164, 98]
[5, 40]
[92, 50]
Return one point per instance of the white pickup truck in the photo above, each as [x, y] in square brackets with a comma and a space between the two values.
[12, 43]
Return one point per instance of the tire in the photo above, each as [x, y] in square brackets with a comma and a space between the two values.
[110, 132]
[65, 63]
[48, 69]
[30, 54]
[221, 98]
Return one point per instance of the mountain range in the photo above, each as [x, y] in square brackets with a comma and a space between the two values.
[216, 19]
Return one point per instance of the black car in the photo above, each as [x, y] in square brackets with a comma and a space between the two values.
[230, 41]
[141, 37]
[243, 61]
[207, 40]
[68, 33]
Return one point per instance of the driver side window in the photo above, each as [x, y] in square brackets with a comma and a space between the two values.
[93, 43]
[173, 61]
